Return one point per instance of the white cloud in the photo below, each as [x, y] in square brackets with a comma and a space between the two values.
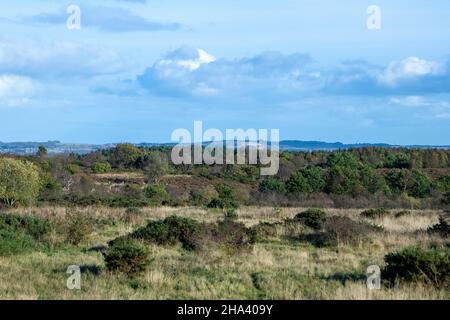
[409, 68]
[60, 59]
[16, 90]
[192, 64]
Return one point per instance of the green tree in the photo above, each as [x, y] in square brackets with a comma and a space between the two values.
[124, 155]
[19, 182]
[344, 180]
[343, 159]
[272, 184]
[315, 178]
[398, 160]
[156, 166]
[297, 183]
[421, 185]
[42, 152]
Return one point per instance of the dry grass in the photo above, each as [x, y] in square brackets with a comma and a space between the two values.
[275, 269]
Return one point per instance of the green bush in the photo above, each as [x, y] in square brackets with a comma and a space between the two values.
[157, 193]
[446, 199]
[33, 226]
[272, 185]
[442, 228]
[79, 227]
[14, 242]
[265, 230]
[170, 231]
[126, 256]
[20, 234]
[297, 183]
[419, 265]
[226, 198]
[101, 167]
[375, 213]
[313, 218]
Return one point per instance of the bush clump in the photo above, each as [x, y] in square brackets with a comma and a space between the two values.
[233, 235]
[375, 213]
[79, 227]
[343, 230]
[33, 226]
[313, 218]
[414, 264]
[20, 234]
[442, 228]
[170, 231]
[125, 255]
[265, 230]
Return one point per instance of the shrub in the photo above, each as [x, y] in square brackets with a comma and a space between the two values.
[418, 265]
[297, 183]
[126, 256]
[402, 213]
[13, 242]
[446, 199]
[233, 235]
[442, 228]
[170, 231]
[226, 198]
[20, 234]
[272, 185]
[79, 227]
[265, 230]
[375, 213]
[313, 218]
[343, 230]
[33, 226]
[157, 193]
[101, 167]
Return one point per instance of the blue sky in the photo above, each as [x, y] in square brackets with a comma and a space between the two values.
[137, 70]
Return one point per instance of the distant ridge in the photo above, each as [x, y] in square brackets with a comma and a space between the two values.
[55, 147]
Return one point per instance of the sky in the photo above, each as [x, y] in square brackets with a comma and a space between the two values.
[136, 70]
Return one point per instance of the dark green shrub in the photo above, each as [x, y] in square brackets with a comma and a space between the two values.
[313, 218]
[157, 193]
[298, 183]
[442, 228]
[375, 213]
[446, 199]
[33, 226]
[126, 256]
[170, 231]
[403, 213]
[272, 185]
[226, 198]
[16, 242]
[397, 160]
[418, 265]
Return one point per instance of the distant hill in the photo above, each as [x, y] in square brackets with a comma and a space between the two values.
[55, 147]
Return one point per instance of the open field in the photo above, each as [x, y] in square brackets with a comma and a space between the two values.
[273, 268]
